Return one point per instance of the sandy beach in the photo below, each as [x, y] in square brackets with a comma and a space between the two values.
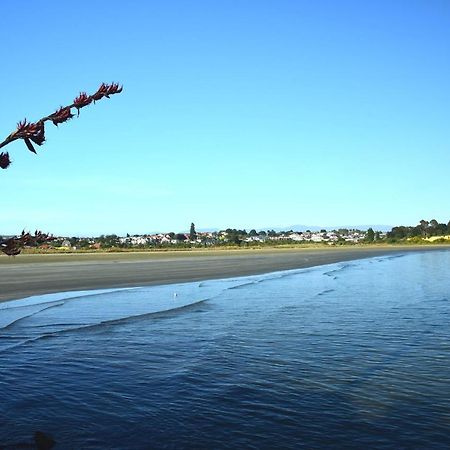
[28, 275]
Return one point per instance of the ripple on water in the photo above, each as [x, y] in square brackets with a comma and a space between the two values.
[344, 356]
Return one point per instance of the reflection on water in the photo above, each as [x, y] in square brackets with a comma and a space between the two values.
[346, 355]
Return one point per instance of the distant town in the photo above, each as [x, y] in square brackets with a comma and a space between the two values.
[227, 237]
[424, 232]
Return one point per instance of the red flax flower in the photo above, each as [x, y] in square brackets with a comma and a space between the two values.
[114, 89]
[101, 92]
[31, 132]
[105, 90]
[36, 133]
[4, 160]
[11, 247]
[81, 101]
[62, 115]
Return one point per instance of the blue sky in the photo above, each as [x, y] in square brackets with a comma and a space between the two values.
[245, 114]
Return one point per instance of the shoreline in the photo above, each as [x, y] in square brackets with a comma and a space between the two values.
[37, 274]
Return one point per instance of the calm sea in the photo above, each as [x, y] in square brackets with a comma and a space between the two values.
[350, 355]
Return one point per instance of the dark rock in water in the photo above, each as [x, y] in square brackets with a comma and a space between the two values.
[43, 441]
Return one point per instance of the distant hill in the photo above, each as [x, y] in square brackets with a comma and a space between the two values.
[366, 227]
[334, 227]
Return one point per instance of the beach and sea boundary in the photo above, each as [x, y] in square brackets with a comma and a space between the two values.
[28, 275]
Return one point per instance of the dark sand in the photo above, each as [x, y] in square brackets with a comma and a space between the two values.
[28, 275]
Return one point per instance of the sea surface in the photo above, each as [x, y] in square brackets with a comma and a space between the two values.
[349, 355]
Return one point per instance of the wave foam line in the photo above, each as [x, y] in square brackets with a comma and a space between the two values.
[15, 321]
[106, 323]
[60, 296]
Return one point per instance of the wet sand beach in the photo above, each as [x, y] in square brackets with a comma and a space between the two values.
[27, 275]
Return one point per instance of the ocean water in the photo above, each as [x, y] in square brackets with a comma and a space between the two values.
[349, 355]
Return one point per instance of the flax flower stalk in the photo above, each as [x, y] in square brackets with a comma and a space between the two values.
[34, 133]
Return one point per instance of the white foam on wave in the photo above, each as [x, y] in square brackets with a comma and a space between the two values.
[56, 297]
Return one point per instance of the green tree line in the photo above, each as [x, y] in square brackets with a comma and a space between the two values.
[424, 229]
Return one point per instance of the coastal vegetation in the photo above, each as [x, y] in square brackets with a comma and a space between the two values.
[425, 233]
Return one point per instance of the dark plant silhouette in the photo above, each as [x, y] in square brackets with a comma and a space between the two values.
[42, 441]
[34, 133]
[13, 246]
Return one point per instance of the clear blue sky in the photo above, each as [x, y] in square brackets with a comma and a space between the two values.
[234, 114]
